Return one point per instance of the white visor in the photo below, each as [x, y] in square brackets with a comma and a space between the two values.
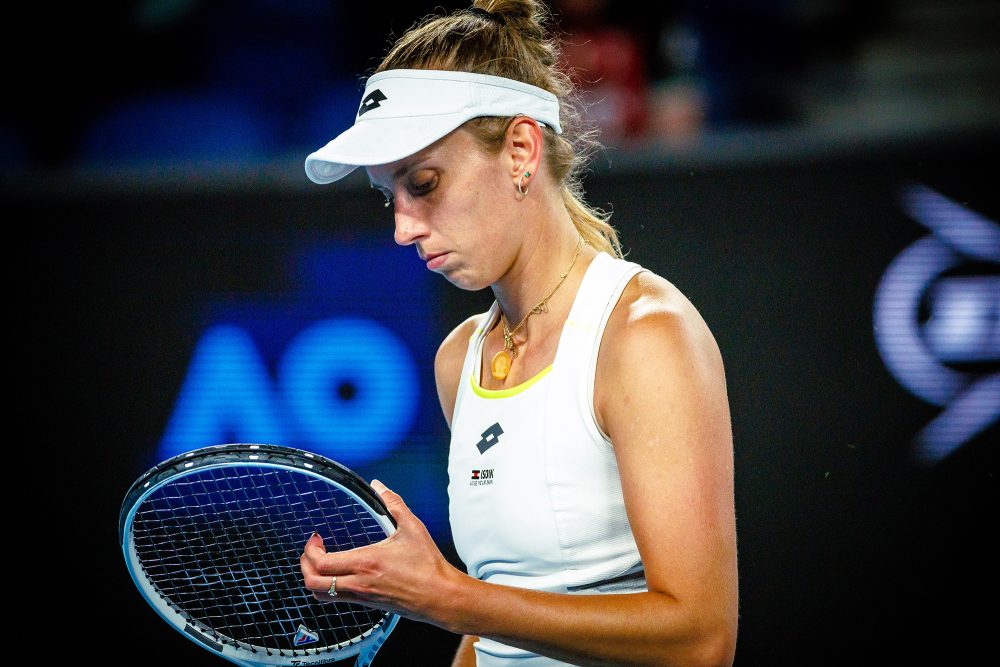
[406, 110]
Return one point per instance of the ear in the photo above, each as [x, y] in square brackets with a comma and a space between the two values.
[524, 148]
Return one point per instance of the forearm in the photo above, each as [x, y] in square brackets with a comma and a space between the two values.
[637, 628]
[465, 656]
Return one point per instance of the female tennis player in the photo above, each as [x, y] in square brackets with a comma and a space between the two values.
[590, 464]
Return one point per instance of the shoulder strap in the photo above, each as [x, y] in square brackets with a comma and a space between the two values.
[472, 366]
[597, 297]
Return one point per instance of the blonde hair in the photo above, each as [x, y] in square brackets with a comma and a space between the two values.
[508, 38]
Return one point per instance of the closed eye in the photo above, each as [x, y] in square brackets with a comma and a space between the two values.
[422, 188]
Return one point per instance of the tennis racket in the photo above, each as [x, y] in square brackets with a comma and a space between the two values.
[212, 539]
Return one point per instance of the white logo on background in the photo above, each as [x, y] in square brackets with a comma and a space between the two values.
[963, 327]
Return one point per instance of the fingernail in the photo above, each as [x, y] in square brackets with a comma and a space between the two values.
[313, 535]
[378, 486]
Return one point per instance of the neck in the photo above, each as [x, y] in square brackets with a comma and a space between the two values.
[547, 252]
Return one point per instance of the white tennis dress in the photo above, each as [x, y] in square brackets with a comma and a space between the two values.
[535, 500]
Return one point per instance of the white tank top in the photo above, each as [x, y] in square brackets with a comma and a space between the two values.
[535, 500]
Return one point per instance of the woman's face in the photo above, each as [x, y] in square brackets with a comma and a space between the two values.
[456, 204]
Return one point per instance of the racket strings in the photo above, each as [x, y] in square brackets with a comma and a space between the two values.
[347, 529]
[223, 545]
[265, 535]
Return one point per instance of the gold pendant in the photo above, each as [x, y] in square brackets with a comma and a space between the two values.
[500, 365]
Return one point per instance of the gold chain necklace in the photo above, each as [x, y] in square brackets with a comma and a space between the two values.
[502, 360]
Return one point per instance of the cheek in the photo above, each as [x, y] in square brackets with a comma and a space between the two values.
[472, 208]
[489, 197]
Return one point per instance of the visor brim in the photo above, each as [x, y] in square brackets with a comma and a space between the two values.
[377, 141]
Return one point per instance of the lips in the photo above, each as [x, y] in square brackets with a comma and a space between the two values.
[436, 260]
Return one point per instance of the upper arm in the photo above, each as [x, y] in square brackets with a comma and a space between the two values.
[448, 362]
[665, 407]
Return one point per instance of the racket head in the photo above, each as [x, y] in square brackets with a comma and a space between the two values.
[212, 540]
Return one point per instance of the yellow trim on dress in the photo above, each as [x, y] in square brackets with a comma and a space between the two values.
[506, 393]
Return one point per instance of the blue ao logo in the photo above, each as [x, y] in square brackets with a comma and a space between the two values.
[931, 359]
[328, 365]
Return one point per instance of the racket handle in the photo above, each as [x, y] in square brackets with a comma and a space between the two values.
[365, 657]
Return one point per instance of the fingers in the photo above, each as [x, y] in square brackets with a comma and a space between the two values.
[321, 584]
[315, 548]
[350, 567]
[398, 509]
[316, 559]
[345, 589]
[318, 582]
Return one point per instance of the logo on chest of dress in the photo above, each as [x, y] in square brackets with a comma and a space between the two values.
[491, 436]
[482, 477]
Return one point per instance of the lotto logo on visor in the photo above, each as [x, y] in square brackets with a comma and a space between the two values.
[425, 106]
[372, 100]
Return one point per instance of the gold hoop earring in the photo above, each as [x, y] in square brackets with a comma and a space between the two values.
[520, 183]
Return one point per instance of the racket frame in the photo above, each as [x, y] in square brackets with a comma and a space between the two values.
[268, 456]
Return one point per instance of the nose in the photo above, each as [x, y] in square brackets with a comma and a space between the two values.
[408, 228]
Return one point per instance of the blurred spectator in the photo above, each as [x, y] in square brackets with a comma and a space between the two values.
[608, 60]
[721, 65]
[741, 63]
[678, 98]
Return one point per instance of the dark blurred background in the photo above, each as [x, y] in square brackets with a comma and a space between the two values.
[163, 80]
[815, 175]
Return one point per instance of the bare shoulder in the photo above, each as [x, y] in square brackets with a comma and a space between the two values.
[654, 325]
[665, 409]
[652, 306]
[448, 363]
[452, 350]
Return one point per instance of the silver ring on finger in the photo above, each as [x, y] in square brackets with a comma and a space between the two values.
[333, 587]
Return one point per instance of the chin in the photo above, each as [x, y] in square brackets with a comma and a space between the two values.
[466, 282]
[467, 286]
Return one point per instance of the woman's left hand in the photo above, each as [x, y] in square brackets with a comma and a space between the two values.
[404, 573]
